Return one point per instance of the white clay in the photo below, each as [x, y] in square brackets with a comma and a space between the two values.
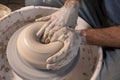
[32, 50]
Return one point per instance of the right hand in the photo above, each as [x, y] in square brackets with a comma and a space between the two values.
[63, 57]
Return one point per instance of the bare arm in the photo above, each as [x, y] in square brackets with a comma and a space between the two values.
[109, 37]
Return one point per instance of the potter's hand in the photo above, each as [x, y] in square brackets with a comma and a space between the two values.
[65, 16]
[71, 40]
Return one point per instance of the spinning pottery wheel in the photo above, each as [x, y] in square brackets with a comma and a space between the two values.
[27, 70]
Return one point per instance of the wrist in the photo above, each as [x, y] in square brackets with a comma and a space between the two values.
[83, 36]
[90, 35]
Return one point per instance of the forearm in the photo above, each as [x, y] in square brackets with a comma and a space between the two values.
[109, 37]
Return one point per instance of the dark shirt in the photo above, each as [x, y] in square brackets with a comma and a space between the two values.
[113, 10]
[100, 13]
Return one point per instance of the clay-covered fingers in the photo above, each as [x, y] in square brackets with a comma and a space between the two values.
[59, 35]
[51, 31]
[48, 29]
[71, 44]
[57, 32]
[42, 29]
[59, 55]
[65, 61]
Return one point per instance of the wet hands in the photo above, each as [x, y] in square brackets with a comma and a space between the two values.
[60, 27]
[71, 40]
[64, 17]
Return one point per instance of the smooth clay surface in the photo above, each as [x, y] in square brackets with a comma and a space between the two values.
[32, 50]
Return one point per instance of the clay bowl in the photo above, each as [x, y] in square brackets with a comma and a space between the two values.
[4, 10]
[87, 66]
[32, 50]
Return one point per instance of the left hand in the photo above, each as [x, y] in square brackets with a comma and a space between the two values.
[65, 16]
[71, 40]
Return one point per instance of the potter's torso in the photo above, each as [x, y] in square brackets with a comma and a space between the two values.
[113, 10]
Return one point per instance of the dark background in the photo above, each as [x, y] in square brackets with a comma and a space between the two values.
[13, 4]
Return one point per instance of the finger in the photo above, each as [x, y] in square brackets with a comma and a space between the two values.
[59, 55]
[69, 42]
[47, 40]
[46, 18]
[52, 25]
[62, 53]
[58, 33]
[52, 31]
[62, 37]
[71, 55]
[55, 37]
[59, 38]
[42, 30]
